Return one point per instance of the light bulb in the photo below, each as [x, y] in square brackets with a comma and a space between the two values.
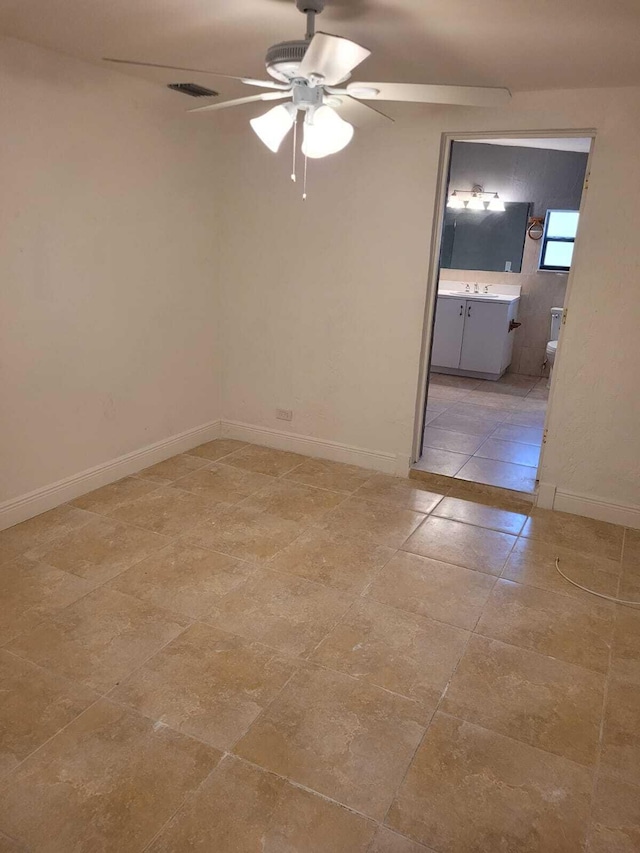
[455, 201]
[496, 203]
[475, 203]
[273, 126]
[325, 133]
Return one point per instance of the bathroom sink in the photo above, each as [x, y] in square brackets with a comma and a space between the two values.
[463, 293]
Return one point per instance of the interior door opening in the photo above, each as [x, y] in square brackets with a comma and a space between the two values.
[508, 220]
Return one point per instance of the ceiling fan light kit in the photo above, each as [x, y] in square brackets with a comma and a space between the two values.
[309, 72]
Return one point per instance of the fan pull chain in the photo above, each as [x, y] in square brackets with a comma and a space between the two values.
[304, 182]
[295, 139]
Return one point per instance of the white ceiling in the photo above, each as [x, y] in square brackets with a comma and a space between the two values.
[557, 143]
[524, 45]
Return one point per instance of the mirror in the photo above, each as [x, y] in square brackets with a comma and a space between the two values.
[485, 240]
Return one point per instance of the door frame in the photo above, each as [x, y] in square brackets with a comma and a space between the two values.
[446, 145]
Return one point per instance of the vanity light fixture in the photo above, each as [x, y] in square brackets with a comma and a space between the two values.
[476, 201]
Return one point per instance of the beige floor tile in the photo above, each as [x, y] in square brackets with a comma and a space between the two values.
[575, 532]
[207, 684]
[265, 460]
[167, 510]
[621, 738]
[99, 639]
[462, 383]
[388, 841]
[29, 591]
[382, 523]
[399, 651]
[172, 469]
[509, 451]
[103, 784]
[224, 484]
[491, 496]
[430, 588]
[626, 643]
[456, 442]
[107, 498]
[324, 474]
[101, 549]
[435, 482]
[505, 475]
[573, 630]
[467, 420]
[504, 403]
[533, 562]
[630, 582]
[242, 808]
[333, 558]
[340, 737]
[440, 393]
[281, 611]
[294, 502]
[615, 819]
[10, 845]
[441, 461]
[217, 449]
[471, 512]
[247, 534]
[37, 531]
[547, 703]
[35, 705]
[470, 789]
[524, 435]
[533, 419]
[183, 578]
[401, 491]
[461, 544]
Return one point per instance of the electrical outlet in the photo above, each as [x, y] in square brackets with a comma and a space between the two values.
[284, 414]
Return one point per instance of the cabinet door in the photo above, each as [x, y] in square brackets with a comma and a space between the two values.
[447, 334]
[486, 328]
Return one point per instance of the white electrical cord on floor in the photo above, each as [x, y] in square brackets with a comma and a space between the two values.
[593, 592]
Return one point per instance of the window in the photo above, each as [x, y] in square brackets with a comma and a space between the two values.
[560, 227]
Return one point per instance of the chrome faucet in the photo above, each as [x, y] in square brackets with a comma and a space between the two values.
[486, 288]
[476, 289]
[467, 288]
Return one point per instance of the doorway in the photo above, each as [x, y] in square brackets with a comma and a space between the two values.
[507, 218]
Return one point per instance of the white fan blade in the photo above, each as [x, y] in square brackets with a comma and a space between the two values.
[357, 113]
[250, 81]
[420, 93]
[332, 58]
[263, 96]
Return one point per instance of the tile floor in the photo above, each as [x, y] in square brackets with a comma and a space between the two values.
[242, 650]
[486, 432]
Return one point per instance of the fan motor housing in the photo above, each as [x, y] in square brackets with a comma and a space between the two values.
[283, 59]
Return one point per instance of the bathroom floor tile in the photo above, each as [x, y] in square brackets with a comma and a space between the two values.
[461, 544]
[615, 819]
[343, 738]
[509, 451]
[243, 808]
[521, 434]
[441, 461]
[573, 630]
[457, 442]
[388, 841]
[40, 530]
[166, 510]
[264, 460]
[172, 469]
[107, 498]
[373, 521]
[399, 651]
[324, 474]
[100, 549]
[223, 484]
[472, 789]
[433, 589]
[183, 578]
[35, 704]
[99, 639]
[575, 532]
[547, 703]
[621, 739]
[207, 684]
[480, 515]
[466, 421]
[294, 502]
[409, 494]
[462, 383]
[102, 783]
[506, 475]
[491, 496]
[630, 581]
[534, 419]
[281, 611]
[333, 559]
[217, 449]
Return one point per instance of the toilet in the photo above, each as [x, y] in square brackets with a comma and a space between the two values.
[552, 345]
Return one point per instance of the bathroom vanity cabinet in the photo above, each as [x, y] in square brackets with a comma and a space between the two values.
[473, 334]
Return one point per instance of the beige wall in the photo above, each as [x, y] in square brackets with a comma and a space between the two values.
[108, 301]
[324, 300]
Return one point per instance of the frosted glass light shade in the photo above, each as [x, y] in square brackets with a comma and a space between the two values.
[475, 203]
[325, 133]
[273, 126]
[455, 201]
[496, 203]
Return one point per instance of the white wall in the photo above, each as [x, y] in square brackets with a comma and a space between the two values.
[108, 268]
[323, 306]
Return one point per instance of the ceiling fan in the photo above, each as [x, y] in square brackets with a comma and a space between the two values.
[310, 74]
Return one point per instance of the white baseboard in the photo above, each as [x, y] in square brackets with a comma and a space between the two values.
[546, 495]
[627, 516]
[26, 506]
[388, 463]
